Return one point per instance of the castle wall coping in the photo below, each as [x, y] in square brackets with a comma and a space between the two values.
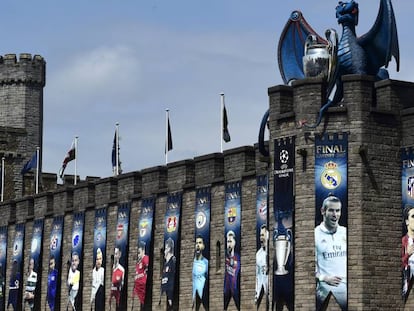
[356, 77]
[210, 156]
[111, 179]
[392, 82]
[23, 57]
[241, 149]
[180, 163]
[134, 174]
[279, 88]
[154, 169]
[308, 81]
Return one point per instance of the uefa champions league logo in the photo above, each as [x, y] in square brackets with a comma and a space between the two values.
[284, 156]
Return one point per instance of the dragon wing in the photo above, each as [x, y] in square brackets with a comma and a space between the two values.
[381, 42]
[291, 47]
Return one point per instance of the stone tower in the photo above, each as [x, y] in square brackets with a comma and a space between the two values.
[21, 115]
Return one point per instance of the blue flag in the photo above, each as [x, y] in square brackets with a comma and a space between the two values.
[32, 163]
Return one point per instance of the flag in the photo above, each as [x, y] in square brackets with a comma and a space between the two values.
[116, 161]
[69, 157]
[114, 147]
[32, 163]
[226, 134]
[169, 144]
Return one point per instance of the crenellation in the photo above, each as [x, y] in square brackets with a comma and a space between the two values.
[154, 180]
[237, 162]
[63, 200]
[43, 204]
[106, 190]
[84, 195]
[129, 184]
[24, 209]
[209, 169]
[180, 175]
[308, 97]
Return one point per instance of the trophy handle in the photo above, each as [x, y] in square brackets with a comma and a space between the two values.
[332, 37]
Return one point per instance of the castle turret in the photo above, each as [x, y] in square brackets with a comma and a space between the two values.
[21, 115]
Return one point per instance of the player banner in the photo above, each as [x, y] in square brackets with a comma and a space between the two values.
[145, 254]
[3, 263]
[169, 279]
[331, 198]
[120, 262]
[35, 259]
[232, 236]
[283, 238]
[262, 241]
[75, 263]
[99, 260]
[55, 264]
[16, 276]
[201, 248]
[407, 183]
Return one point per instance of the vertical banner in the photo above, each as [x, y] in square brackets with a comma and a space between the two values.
[407, 251]
[262, 242]
[33, 280]
[119, 272]
[331, 217]
[283, 235]
[232, 236]
[99, 260]
[145, 254]
[75, 264]
[15, 285]
[201, 248]
[169, 279]
[55, 264]
[3, 262]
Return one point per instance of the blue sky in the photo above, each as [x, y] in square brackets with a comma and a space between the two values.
[127, 61]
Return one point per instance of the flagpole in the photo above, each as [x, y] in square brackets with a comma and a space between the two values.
[221, 122]
[2, 179]
[166, 135]
[76, 159]
[117, 148]
[37, 169]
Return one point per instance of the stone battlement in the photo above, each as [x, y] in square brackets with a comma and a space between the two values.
[26, 69]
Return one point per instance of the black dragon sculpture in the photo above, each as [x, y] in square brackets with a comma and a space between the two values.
[367, 54]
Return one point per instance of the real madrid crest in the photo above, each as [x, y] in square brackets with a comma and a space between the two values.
[331, 177]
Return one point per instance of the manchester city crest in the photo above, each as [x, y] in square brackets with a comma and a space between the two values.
[331, 177]
[201, 220]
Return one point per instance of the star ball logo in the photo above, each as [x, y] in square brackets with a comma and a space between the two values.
[284, 156]
[331, 178]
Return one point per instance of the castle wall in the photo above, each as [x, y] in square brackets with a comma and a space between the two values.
[378, 118]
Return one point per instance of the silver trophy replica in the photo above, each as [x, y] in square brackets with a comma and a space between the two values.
[282, 248]
[319, 59]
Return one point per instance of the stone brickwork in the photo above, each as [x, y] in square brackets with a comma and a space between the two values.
[378, 117]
